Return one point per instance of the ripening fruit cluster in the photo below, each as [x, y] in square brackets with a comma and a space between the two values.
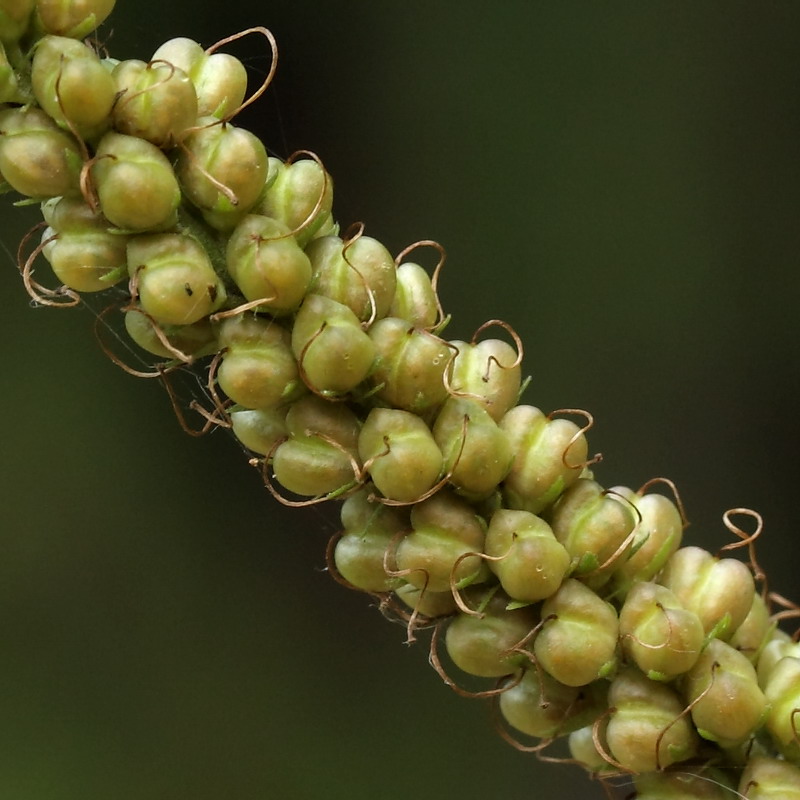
[462, 508]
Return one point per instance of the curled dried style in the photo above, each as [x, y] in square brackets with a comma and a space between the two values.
[463, 509]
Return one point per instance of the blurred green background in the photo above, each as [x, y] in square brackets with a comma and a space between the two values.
[618, 180]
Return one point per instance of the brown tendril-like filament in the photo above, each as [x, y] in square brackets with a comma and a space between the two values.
[678, 502]
[601, 748]
[210, 421]
[746, 540]
[441, 317]
[325, 395]
[221, 187]
[456, 590]
[41, 295]
[124, 97]
[72, 129]
[349, 238]
[492, 359]
[791, 611]
[179, 355]
[584, 430]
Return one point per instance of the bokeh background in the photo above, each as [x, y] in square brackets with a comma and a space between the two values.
[618, 180]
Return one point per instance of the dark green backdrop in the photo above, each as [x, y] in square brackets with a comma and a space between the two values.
[619, 180]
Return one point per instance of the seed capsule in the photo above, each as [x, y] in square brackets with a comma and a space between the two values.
[414, 298]
[222, 170]
[531, 563]
[73, 18]
[320, 455]
[658, 634]
[258, 369]
[445, 529]
[360, 274]
[548, 457]
[727, 704]
[578, 641]
[752, 635]
[647, 730]
[265, 262]
[195, 340]
[779, 646]
[425, 602]
[719, 591]
[37, 158]
[175, 280]
[770, 779]
[484, 645]
[705, 783]
[135, 184]
[14, 18]
[220, 79]
[400, 453]
[782, 691]
[259, 429]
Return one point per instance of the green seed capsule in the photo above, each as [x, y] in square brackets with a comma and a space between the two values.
[81, 251]
[37, 158]
[549, 457]
[156, 101]
[727, 704]
[770, 779]
[658, 634]
[578, 641]
[135, 183]
[73, 18]
[445, 530]
[300, 195]
[719, 591]
[779, 646]
[222, 170]
[484, 645]
[195, 340]
[782, 692]
[531, 563]
[265, 262]
[427, 603]
[220, 80]
[334, 353]
[258, 369]
[175, 280]
[14, 19]
[370, 528]
[321, 455]
[402, 457]
[488, 372]
[647, 730]
[476, 450]
[658, 534]
[10, 89]
[541, 706]
[697, 784]
[259, 429]
[752, 635]
[72, 85]
[414, 298]
[593, 525]
[360, 274]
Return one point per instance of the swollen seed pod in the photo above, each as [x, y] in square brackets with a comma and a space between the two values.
[541, 706]
[400, 454]
[434, 554]
[156, 101]
[719, 591]
[782, 692]
[594, 526]
[526, 557]
[359, 274]
[258, 369]
[660, 636]
[71, 84]
[484, 645]
[728, 706]
[767, 778]
[704, 783]
[583, 749]
[779, 646]
[549, 456]
[195, 340]
[10, 89]
[320, 455]
[266, 262]
[752, 635]
[647, 730]
[259, 429]
[477, 453]
[578, 640]
[14, 19]
[414, 297]
[220, 79]
[73, 18]
[222, 170]
[427, 603]
[409, 371]
[369, 531]
[37, 158]
[135, 183]
[658, 534]
[174, 278]
[83, 254]
[300, 195]
[334, 353]
[487, 371]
